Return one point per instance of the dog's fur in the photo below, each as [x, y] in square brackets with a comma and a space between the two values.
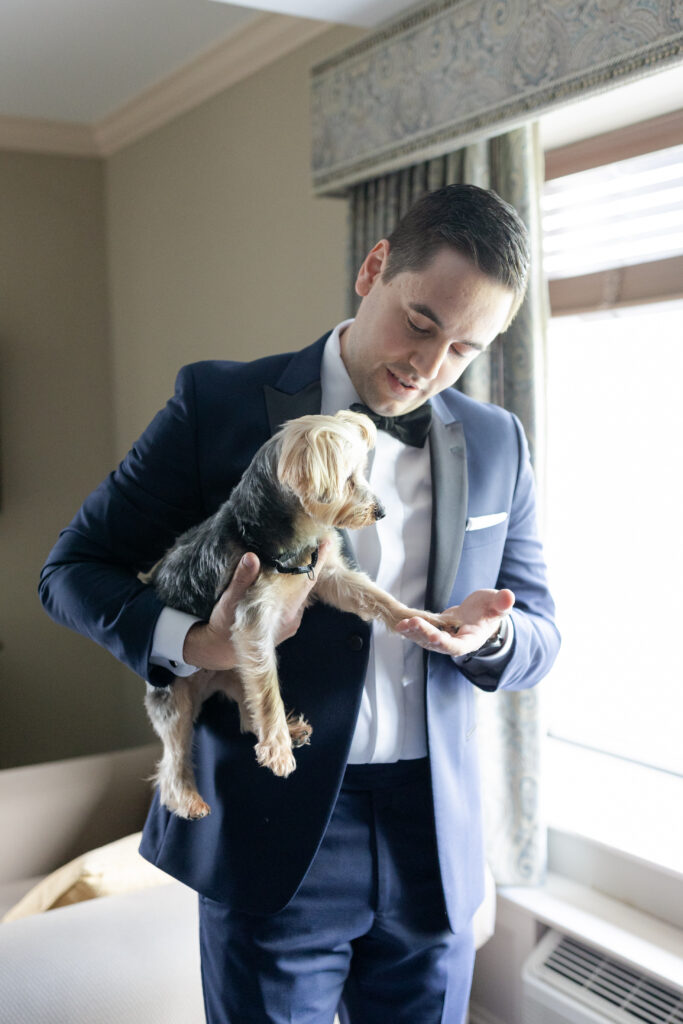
[302, 485]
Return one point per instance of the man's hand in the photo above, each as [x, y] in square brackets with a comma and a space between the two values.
[476, 619]
[209, 644]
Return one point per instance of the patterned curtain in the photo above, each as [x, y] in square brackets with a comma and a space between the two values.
[511, 375]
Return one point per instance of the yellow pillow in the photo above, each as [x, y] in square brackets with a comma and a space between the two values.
[114, 868]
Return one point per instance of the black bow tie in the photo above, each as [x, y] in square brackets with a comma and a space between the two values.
[410, 428]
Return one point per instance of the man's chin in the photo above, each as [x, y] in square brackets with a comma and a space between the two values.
[397, 408]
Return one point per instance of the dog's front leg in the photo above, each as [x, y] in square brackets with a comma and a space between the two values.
[352, 591]
[253, 638]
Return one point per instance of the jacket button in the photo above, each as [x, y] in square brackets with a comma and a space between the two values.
[355, 642]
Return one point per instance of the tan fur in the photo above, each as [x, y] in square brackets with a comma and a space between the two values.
[322, 460]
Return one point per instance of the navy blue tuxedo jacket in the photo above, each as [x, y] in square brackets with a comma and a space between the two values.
[255, 847]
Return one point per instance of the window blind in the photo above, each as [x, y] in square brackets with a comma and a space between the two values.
[616, 215]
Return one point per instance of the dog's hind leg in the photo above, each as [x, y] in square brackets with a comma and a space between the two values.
[171, 711]
[299, 729]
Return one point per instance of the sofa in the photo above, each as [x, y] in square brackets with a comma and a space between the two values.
[91, 933]
[129, 956]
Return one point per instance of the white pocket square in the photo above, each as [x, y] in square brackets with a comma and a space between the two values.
[481, 522]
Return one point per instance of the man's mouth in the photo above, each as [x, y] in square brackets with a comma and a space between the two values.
[402, 381]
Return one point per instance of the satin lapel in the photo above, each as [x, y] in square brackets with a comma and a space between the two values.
[282, 406]
[449, 509]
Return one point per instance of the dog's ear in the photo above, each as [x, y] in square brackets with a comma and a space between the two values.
[360, 422]
[312, 462]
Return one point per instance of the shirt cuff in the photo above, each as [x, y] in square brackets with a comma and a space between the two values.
[169, 637]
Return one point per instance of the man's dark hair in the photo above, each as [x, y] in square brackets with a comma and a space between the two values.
[475, 222]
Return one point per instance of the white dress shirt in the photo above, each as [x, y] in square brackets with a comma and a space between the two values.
[395, 553]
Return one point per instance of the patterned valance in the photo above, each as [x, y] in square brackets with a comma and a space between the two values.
[451, 72]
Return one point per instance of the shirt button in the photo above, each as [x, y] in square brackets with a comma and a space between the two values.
[355, 642]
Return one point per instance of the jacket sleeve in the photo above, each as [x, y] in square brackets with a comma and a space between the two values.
[522, 570]
[90, 579]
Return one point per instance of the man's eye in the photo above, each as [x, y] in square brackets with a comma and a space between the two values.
[416, 329]
[463, 349]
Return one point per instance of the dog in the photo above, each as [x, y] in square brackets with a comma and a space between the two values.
[302, 486]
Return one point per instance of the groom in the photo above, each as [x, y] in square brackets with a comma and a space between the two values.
[353, 882]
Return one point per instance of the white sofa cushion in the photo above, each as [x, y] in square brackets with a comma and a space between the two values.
[116, 960]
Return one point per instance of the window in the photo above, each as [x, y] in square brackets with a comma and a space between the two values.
[614, 520]
[615, 215]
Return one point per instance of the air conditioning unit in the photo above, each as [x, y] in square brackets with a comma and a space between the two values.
[568, 982]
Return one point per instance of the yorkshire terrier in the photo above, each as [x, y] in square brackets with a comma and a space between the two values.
[303, 485]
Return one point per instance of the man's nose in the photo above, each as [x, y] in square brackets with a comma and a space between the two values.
[428, 357]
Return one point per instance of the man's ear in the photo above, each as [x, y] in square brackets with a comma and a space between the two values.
[372, 267]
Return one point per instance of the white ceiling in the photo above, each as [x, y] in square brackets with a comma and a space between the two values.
[77, 60]
[80, 60]
[365, 13]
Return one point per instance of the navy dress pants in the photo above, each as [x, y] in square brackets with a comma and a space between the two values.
[365, 935]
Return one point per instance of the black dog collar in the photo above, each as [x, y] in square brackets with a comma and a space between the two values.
[295, 569]
[274, 561]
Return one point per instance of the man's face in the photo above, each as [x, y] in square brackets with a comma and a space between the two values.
[414, 335]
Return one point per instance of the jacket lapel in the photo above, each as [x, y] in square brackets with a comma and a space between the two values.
[297, 391]
[449, 505]
[282, 406]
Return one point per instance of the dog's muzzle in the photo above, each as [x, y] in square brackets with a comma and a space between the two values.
[378, 511]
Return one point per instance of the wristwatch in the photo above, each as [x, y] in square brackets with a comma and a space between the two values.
[494, 642]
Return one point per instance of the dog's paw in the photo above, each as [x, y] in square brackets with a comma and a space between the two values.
[195, 808]
[277, 757]
[440, 621]
[299, 730]
[188, 805]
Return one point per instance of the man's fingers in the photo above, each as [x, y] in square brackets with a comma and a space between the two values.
[244, 575]
[503, 601]
[430, 637]
[323, 551]
[248, 569]
[421, 632]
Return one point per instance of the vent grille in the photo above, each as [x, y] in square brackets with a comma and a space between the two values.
[635, 995]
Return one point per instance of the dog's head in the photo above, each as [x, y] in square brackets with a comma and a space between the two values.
[322, 460]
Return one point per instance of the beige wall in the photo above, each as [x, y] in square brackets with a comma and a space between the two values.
[200, 241]
[216, 246]
[58, 692]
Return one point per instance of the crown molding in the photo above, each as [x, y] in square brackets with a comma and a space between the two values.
[59, 138]
[246, 51]
[253, 46]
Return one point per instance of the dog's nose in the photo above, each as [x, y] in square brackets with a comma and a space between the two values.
[378, 510]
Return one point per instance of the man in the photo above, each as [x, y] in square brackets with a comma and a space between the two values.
[356, 878]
